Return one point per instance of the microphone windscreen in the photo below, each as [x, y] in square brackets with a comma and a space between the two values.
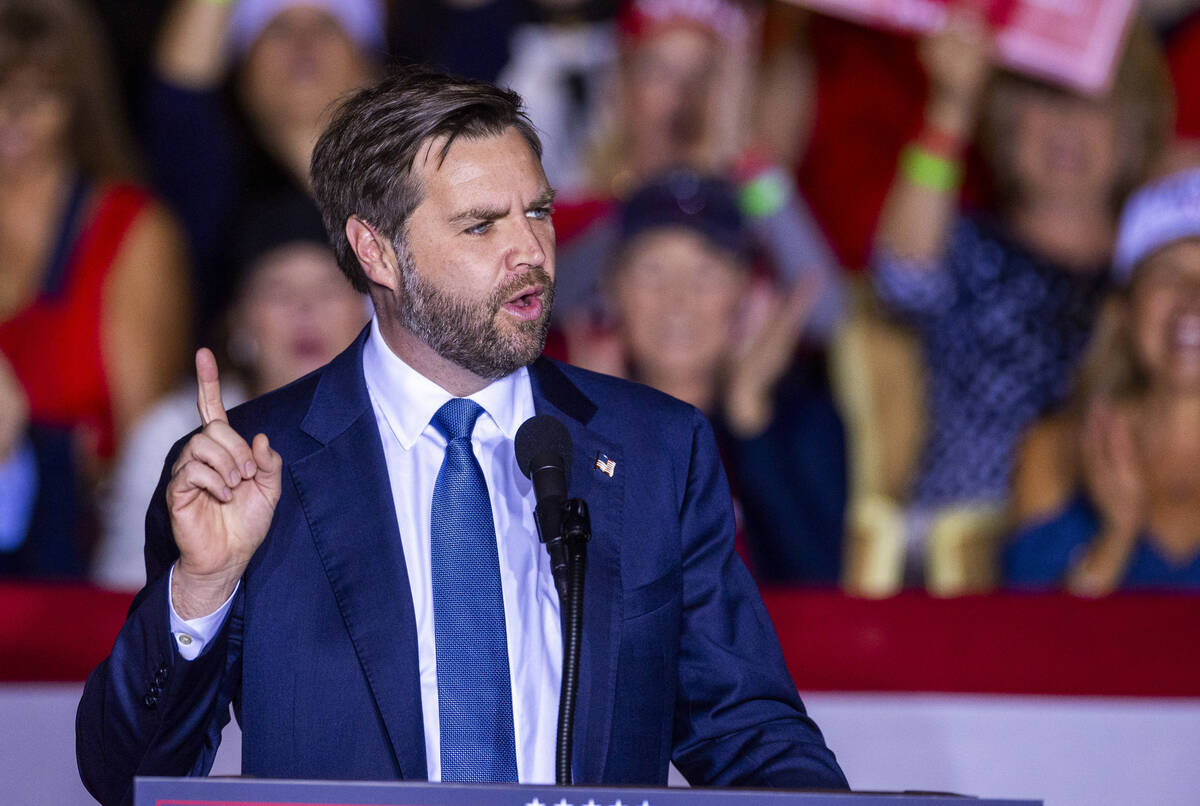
[543, 438]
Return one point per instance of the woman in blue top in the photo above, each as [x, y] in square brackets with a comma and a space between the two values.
[1003, 297]
[1108, 494]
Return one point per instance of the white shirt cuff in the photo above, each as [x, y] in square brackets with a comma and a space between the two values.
[191, 635]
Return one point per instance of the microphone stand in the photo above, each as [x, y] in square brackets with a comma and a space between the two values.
[576, 532]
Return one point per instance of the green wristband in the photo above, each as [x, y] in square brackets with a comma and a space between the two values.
[765, 194]
[930, 171]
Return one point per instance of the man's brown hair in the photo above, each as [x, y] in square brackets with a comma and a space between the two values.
[363, 163]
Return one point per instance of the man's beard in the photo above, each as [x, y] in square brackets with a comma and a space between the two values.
[465, 331]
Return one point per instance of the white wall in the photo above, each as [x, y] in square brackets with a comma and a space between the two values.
[1069, 751]
[37, 746]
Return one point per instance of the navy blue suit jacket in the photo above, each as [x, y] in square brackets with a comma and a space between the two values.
[319, 652]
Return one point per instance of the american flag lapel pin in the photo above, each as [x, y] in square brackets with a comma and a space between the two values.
[605, 465]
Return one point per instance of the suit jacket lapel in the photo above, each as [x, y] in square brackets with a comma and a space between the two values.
[553, 393]
[346, 496]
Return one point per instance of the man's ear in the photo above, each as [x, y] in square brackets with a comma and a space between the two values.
[375, 253]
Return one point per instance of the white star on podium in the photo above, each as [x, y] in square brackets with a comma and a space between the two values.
[535, 802]
[563, 802]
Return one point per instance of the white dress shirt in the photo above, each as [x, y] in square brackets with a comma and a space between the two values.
[404, 402]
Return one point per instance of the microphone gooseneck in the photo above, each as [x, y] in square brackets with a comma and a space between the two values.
[577, 529]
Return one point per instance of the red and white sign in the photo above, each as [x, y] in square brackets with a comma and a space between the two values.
[1071, 42]
[1081, 702]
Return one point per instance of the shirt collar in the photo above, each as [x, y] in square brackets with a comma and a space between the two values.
[409, 400]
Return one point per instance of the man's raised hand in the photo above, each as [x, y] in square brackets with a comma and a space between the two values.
[221, 497]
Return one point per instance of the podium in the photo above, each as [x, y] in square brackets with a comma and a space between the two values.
[262, 792]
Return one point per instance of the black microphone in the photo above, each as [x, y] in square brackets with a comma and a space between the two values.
[543, 448]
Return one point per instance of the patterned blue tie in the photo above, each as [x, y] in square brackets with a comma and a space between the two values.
[474, 691]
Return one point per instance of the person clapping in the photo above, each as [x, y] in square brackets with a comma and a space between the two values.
[1108, 494]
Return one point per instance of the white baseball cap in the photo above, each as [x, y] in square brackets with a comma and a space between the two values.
[1157, 215]
[362, 20]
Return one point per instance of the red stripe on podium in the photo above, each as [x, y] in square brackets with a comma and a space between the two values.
[173, 802]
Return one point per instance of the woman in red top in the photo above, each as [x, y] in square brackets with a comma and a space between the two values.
[93, 303]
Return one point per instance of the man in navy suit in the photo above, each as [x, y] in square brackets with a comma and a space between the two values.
[351, 560]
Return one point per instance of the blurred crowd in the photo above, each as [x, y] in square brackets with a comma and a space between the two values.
[944, 317]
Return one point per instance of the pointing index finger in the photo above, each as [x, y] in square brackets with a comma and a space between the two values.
[208, 397]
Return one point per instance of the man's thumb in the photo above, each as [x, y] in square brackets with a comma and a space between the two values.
[270, 464]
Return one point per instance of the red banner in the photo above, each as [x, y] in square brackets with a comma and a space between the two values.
[1125, 645]
[1130, 644]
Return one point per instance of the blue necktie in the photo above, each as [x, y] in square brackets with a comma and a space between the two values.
[474, 690]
